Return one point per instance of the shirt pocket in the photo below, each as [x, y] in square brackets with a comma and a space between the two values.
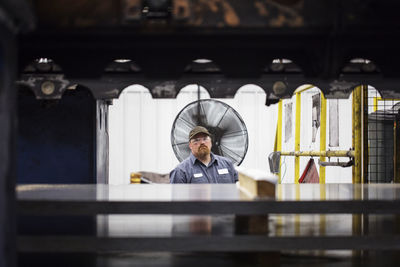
[197, 179]
[224, 178]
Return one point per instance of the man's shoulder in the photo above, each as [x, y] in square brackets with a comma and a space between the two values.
[223, 159]
[184, 164]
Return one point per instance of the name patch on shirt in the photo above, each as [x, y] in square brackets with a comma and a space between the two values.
[197, 175]
[223, 171]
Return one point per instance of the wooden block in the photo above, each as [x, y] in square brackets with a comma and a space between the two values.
[256, 183]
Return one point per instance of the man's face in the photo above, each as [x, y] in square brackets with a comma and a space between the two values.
[200, 145]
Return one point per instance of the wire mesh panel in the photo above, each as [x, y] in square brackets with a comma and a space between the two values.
[382, 114]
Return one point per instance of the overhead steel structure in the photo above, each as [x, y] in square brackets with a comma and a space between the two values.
[106, 46]
[97, 48]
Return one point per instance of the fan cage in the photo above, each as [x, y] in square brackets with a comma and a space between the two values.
[218, 120]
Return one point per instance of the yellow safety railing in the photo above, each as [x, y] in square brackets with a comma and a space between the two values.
[355, 154]
[329, 153]
[278, 138]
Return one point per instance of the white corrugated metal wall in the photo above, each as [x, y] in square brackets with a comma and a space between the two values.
[140, 129]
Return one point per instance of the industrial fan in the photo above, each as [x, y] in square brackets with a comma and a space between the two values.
[227, 129]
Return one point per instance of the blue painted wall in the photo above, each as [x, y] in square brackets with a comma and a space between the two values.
[56, 145]
[56, 139]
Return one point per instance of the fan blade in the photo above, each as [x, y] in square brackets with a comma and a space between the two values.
[226, 152]
[231, 122]
[182, 151]
[190, 124]
[233, 134]
[220, 120]
[214, 112]
[180, 133]
[203, 119]
[182, 143]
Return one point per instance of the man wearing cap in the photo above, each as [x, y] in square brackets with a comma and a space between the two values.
[203, 166]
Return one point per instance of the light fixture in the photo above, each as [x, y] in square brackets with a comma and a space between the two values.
[122, 60]
[202, 61]
[279, 88]
[48, 87]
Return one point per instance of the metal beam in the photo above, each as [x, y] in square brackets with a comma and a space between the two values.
[7, 148]
[297, 138]
[356, 133]
[322, 138]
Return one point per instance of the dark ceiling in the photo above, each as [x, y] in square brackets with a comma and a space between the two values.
[335, 45]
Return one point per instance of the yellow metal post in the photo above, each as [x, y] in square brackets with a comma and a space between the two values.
[356, 132]
[357, 146]
[322, 138]
[297, 138]
[376, 102]
[365, 150]
[396, 144]
[279, 137]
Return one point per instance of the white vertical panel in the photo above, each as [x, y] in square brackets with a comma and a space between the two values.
[333, 129]
[164, 155]
[116, 133]
[137, 145]
[149, 134]
[287, 163]
[305, 128]
[345, 136]
[339, 174]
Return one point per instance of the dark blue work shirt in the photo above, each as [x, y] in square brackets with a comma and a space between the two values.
[220, 170]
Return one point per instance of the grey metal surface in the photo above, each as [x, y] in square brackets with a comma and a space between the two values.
[216, 233]
[149, 233]
[274, 225]
[206, 199]
[203, 243]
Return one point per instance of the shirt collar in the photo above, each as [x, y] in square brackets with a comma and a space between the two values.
[193, 158]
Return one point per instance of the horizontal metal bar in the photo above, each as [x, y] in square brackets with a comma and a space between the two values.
[203, 243]
[329, 153]
[48, 208]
